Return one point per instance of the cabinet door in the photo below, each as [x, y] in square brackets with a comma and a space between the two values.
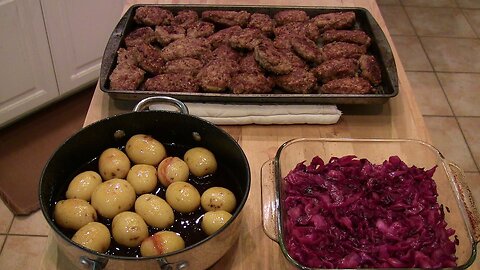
[78, 32]
[26, 71]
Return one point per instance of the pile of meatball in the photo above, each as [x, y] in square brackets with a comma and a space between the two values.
[123, 194]
[238, 52]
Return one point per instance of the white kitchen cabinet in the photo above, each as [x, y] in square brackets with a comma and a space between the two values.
[78, 32]
[27, 78]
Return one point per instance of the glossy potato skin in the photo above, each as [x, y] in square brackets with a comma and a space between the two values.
[82, 185]
[112, 197]
[161, 243]
[218, 198]
[172, 169]
[143, 178]
[183, 197]
[200, 161]
[144, 149]
[94, 236]
[129, 229]
[113, 163]
[155, 211]
[212, 221]
[74, 213]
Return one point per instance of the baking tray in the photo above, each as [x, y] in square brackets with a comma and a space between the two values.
[380, 48]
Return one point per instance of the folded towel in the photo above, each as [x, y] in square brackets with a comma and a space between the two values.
[236, 114]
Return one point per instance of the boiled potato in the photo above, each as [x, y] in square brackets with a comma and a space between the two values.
[161, 243]
[218, 198]
[172, 169]
[94, 236]
[112, 197]
[82, 185]
[200, 161]
[143, 178]
[154, 210]
[74, 213]
[214, 220]
[113, 163]
[129, 229]
[183, 197]
[144, 149]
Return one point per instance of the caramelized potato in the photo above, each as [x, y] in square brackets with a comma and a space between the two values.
[212, 221]
[129, 229]
[112, 197]
[161, 243]
[82, 185]
[143, 178]
[94, 236]
[218, 198]
[74, 213]
[183, 197]
[172, 169]
[200, 161]
[113, 163]
[144, 149]
[154, 210]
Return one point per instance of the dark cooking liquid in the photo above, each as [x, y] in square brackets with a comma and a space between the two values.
[187, 225]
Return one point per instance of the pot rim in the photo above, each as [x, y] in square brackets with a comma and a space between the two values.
[239, 208]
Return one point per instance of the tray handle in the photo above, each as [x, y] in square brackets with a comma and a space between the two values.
[270, 201]
[466, 197]
[146, 102]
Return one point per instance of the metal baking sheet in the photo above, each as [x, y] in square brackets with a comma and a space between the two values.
[380, 48]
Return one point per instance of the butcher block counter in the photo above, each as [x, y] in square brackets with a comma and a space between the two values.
[398, 118]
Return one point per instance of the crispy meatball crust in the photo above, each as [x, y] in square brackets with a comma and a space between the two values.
[272, 59]
[248, 64]
[185, 18]
[139, 36]
[225, 52]
[216, 76]
[169, 33]
[337, 50]
[222, 37]
[251, 83]
[186, 47]
[263, 22]
[126, 77]
[172, 83]
[289, 16]
[200, 29]
[352, 36]
[308, 29]
[337, 20]
[227, 18]
[127, 56]
[283, 42]
[247, 38]
[294, 59]
[189, 66]
[153, 16]
[299, 81]
[149, 58]
[307, 49]
[349, 85]
[370, 69]
[336, 69]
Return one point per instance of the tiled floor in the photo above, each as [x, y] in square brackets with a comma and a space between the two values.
[439, 46]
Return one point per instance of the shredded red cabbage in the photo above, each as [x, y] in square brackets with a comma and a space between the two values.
[350, 213]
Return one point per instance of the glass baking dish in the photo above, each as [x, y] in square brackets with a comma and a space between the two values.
[461, 214]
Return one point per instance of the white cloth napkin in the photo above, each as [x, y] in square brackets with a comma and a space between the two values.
[233, 114]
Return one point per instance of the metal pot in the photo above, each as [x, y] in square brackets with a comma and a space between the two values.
[165, 126]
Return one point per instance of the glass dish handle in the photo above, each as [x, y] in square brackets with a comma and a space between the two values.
[269, 201]
[466, 197]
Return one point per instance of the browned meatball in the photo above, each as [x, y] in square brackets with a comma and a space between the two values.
[223, 36]
[307, 49]
[172, 83]
[299, 81]
[248, 64]
[283, 42]
[139, 36]
[247, 38]
[263, 22]
[251, 83]
[185, 18]
[153, 16]
[227, 18]
[169, 33]
[225, 52]
[186, 47]
[308, 29]
[352, 36]
[336, 20]
[189, 66]
[289, 16]
[272, 59]
[126, 77]
[149, 58]
[337, 50]
[200, 29]
[127, 56]
[349, 85]
[294, 60]
[216, 76]
[370, 69]
[336, 69]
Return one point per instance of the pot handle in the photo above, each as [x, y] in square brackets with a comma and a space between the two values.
[92, 264]
[465, 195]
[144, 103]
[269, 201]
